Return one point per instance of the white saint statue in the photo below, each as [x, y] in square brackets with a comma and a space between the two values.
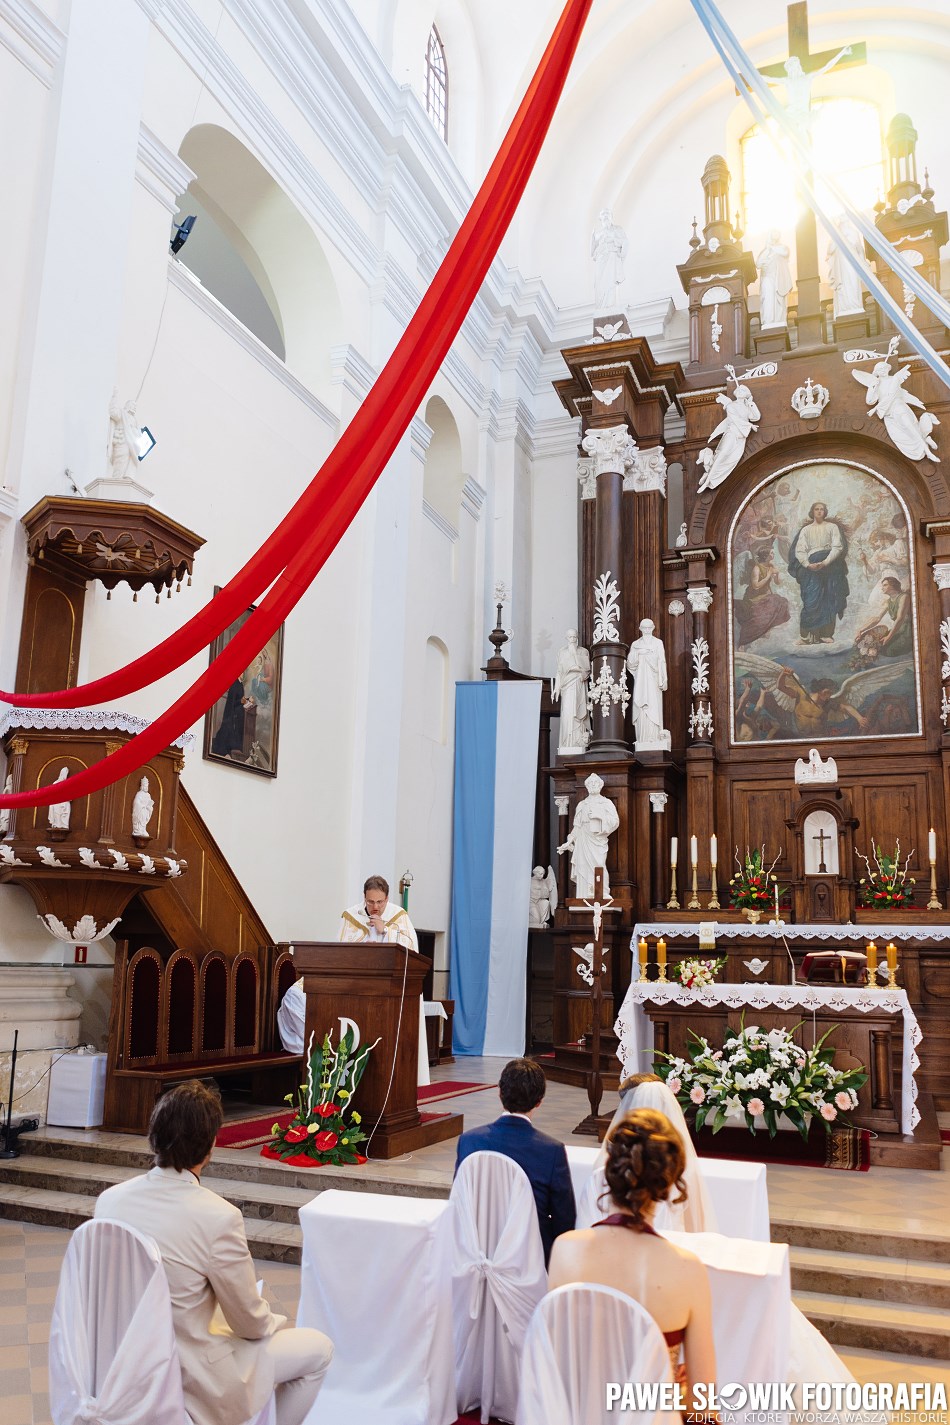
[594, 821]
[142, 808]
[846, 284]
[569, 685]
[5, 813]
[647, 662]
[58, 816]
[775, 282]
[543, 897]
[797, 83]
[896, 407]
[123, 434]
[608, 248]
[739, 416]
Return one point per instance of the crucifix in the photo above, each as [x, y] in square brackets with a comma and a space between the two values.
[600, 905]
[821, 838]
[795, 74]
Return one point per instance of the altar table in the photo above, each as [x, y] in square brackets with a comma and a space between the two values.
[376, 1276]
[737, 1191]
[636, 1034]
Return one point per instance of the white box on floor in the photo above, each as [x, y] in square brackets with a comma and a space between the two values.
[77, 1087]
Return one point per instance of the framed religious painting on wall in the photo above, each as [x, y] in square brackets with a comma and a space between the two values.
[242, 726]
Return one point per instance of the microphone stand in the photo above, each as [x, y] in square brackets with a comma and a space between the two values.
[10, 1147]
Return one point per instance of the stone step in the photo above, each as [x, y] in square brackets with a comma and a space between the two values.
[871, 1278]
[893, 1326]
[270, 1202]
[837, 1233]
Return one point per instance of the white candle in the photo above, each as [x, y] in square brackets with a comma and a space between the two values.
[932, 844]
[713, 850]
[693, 851]
[673, 851]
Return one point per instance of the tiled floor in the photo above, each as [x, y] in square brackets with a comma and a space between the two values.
[884, 1199]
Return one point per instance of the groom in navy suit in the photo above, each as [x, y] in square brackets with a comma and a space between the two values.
[544, 1160]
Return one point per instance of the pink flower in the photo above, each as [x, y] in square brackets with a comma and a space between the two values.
[674, 1085]
[843, 1100]
[697, 1094]
[828, 1112]
[756, 1105]
[717, 1054]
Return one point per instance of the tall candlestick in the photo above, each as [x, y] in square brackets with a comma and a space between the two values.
[932, 845]
[934, 902]
[872, 963]
[674, 850]
[713, 851]
[643, 949]
[661, 958]
[673, 903]
[694, 851]
[693, 902]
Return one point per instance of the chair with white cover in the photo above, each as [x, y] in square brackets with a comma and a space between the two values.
[581, 1337]
[113, 1359]
[498, 1278]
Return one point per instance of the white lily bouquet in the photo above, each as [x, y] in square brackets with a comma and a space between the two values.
[760, 1075]
[697, 974]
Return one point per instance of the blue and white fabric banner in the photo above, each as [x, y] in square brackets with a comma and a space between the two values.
[496, 760]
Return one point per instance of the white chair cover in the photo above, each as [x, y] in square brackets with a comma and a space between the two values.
[498, 1278]
[112, 1353]
[696, 1214]
[113, 1358]
[580, 1338]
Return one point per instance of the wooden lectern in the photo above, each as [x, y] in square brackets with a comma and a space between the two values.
[366, 983]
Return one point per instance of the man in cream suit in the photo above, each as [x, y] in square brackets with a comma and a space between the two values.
[233, 1350]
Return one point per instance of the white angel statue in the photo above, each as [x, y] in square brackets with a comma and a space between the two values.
[895, 406]
[739, 416]
[543, 897]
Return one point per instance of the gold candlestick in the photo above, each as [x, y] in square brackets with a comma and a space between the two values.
[891, 978]
[694, 899]
[934, 902]
[714, 900]
[673, 903]
[661, 960]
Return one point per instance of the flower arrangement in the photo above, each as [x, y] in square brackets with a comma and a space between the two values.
[753, 887]
[325, 1128]
[696, 974]
[759, 1074]
[887, 884]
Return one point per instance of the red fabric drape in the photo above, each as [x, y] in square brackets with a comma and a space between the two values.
[336, 493]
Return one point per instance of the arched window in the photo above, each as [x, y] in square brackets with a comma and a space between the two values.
[437, 84]
[846, 132]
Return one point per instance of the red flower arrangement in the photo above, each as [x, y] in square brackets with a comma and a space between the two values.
[325, 1129]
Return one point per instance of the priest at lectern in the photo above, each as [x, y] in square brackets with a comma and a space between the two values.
[375, 918]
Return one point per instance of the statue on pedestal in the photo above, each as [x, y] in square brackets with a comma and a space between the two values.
[595, 820]
[142, 808]
[543, 897]
[846, 284]
[775, 282]
[123, 434]
[608, 248]
[58, 815]
[569, 685]
[647, 662]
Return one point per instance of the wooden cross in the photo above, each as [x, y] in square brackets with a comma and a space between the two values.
[821, 838]
[600, 905]
[798, 103]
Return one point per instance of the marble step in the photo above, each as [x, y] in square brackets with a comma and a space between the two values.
[893, 1326]
[270, 1202]
[871, 1278]
[841, 1236]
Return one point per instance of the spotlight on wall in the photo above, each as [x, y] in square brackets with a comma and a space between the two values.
[144, 443]
[183, 232]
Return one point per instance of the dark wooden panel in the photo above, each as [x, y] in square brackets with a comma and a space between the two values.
[50, 630]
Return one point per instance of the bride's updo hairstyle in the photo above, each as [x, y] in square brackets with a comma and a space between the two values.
[645, 1162]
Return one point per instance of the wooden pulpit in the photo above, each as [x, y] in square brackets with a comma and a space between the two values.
[370, 983]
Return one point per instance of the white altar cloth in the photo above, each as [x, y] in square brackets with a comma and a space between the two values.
[635, 1030]
[738, 1191]
[765, 930]
[376, 1276]
[751, 1306]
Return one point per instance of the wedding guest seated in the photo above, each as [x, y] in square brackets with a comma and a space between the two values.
[232, 1348]
[521, 1089]
[644, 1166]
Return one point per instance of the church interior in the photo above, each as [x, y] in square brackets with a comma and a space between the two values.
[589, 362]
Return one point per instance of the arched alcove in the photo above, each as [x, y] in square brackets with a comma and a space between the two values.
[254, 250]
[443, 479]
[408, 26]
[436, 690]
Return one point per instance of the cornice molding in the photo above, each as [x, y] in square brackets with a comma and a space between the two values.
[161, 172]
[31, 37]
[474, 496]
[440, 522]
[186, 283]
[351, 371]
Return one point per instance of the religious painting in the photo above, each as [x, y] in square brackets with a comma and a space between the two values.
[823, 627]
[242, 726]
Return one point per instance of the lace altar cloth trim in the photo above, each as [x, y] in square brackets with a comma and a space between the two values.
[80, 720]
[767, 930]
[635, 1030]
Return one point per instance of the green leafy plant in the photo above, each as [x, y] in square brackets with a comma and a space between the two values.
[325, 1127]
[753, 886]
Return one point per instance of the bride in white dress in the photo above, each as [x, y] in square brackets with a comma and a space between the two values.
[810, 1357]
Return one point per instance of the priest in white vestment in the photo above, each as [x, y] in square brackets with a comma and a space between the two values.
[375, 918]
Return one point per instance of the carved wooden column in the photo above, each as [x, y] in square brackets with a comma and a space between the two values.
[941, 572]
[563, 805]
[658, 849]
[109, 793]
[701, 719]
[701, 810]
[610, 449]
[18, 747]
